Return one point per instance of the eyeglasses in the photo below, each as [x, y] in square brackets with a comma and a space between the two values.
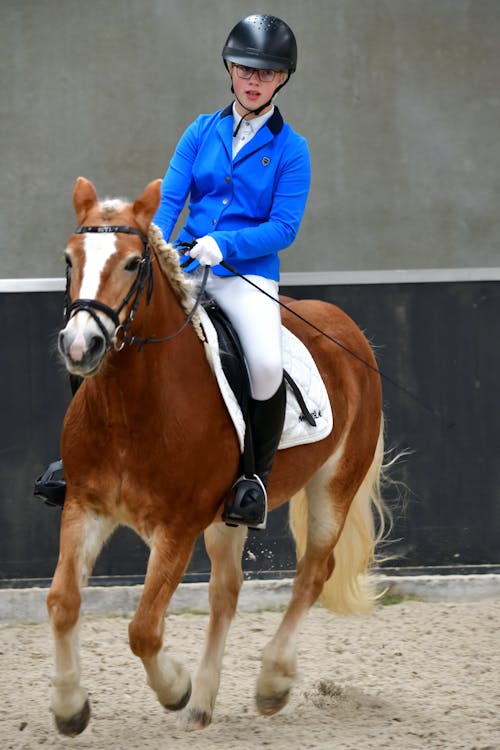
[265, 74]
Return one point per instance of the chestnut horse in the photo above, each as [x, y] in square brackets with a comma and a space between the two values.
[147, 442]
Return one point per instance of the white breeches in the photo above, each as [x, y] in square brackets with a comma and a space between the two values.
[257, 321]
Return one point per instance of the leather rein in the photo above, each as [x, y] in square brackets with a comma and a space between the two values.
[143, 281]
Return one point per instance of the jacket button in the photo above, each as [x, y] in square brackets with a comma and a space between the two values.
[225, 201]
[214, 222]
[228, 179]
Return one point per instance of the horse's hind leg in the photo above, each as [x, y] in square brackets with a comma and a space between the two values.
[81, 540]
[278, 670]
[329, 494]
[224, 547]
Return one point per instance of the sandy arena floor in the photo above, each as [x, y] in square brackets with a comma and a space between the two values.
[413, 675]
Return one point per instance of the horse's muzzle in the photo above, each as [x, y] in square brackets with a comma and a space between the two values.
[82, 351]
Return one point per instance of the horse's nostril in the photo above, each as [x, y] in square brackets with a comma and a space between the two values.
[60, 341]
[96, 346]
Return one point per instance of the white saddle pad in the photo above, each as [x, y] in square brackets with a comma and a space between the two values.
[298, 362]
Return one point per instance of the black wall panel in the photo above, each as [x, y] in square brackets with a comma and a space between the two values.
[439, 342]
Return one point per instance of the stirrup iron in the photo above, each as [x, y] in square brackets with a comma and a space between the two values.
[51, 486]
[253, 512]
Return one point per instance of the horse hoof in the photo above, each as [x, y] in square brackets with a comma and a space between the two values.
[267, 705]
[76, 724]
[195, 718]
[182, 703]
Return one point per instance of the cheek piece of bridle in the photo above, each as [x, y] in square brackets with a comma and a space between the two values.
[143, 281]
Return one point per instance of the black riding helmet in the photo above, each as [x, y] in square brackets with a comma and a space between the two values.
[262, 41]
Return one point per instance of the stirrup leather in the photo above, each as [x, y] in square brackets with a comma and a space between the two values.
[246, 503]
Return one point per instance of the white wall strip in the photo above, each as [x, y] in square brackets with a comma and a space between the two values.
[390, 276]
[313, 278]
[32, 285]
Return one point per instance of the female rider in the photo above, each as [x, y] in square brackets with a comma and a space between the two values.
[247, 175]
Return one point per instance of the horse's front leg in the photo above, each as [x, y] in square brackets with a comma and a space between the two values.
[167, 562]
[224, 547]
[81, 539]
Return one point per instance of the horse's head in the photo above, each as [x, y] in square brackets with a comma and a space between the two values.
[108, 266]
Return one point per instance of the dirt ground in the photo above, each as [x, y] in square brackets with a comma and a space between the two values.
[412, 675]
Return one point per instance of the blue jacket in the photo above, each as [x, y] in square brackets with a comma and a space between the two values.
[251, 206]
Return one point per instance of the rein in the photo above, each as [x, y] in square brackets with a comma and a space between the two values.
[142, 281]
[145, 277]
[434, 412]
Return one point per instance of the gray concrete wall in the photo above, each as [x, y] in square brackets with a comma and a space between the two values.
[399, 100]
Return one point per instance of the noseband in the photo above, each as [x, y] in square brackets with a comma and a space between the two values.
[143, 280]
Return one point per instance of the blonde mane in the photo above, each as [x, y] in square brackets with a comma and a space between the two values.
[111, 206]
[182, 286]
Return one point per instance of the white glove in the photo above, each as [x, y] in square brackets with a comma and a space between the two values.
[206, 251]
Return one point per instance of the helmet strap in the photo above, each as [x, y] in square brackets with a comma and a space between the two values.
[248, 113]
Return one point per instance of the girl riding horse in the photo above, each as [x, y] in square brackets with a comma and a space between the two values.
[247, 175]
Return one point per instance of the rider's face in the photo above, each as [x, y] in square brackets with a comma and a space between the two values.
[251, 92]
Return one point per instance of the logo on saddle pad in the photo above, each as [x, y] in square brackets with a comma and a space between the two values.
[315, 413]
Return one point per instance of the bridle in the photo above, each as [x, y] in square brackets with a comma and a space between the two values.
[143, 281]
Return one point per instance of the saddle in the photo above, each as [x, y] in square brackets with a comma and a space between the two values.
[235, 369]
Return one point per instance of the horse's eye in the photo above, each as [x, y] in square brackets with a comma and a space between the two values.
[133, 264]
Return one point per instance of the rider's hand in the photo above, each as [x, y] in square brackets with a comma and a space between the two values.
[206, 251]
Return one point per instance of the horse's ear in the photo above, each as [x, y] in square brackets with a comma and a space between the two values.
[84, 198]
[145, 206]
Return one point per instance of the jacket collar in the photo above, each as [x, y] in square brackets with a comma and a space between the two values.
[275, 122]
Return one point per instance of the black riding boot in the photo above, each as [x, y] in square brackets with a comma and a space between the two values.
[51, 485]
[247, 504]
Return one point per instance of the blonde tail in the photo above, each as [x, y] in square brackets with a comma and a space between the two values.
[350, 589]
